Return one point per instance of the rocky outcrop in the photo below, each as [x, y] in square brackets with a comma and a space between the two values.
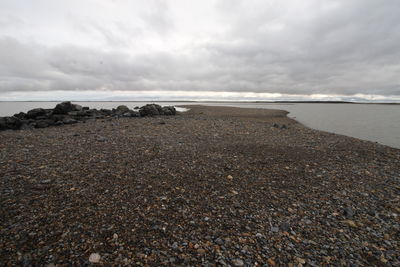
[154, 110]
[68, 113]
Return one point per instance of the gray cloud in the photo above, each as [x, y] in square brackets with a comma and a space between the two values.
[313, 47]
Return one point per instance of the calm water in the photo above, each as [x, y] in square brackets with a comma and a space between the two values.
[377, 123]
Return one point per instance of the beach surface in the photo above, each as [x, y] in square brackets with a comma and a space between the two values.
[213, 186]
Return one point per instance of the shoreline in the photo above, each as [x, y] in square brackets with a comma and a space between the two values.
[221, 185]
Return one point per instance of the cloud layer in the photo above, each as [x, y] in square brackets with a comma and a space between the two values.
[333, 49]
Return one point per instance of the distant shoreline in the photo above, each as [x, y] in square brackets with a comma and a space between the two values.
[188, 101]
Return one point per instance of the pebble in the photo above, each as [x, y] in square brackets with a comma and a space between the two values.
[94, 258]
[238, 262]
[274, 229]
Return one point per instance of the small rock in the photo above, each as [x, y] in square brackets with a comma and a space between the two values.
[237, 262]
[285, 226]
[219, 241]
[271, 262]
[201, 251]
[94, 258]
[350, 223]
[101, 138]
[274, 229]
[348, 212]
[300, 260]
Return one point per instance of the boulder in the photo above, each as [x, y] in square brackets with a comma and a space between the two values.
[65, 107]
[36, 112]
[106, 112]
[10, 123]
[169, 110]
[43, 123]
[151, 110]
[77, 107]
[20, 115]
[122, 109]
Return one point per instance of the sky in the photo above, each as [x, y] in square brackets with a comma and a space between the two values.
[200, 50]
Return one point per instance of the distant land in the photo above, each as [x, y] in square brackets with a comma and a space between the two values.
[226, 101]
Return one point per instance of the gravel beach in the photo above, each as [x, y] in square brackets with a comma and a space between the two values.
[214, 186]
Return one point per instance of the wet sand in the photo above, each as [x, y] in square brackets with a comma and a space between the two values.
[211, 186]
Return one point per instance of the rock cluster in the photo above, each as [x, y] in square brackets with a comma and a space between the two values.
[68, 113]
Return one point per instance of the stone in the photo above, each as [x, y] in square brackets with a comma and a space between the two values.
[20, 115]
[285, 226]
[131, 113]
[64, 108]
[259, 235]
[219, 241]
[94, 258]
[33, 113]
[122, 109]
[274, 229]
[101, 138]
[69, 120]
[238, 262]
[169, 110]
[104, 111]
[43, 123]
[348, 212]
[350, 223]
[151, 110]
[10, 123]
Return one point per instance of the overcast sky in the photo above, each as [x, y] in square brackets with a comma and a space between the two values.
[200, 50]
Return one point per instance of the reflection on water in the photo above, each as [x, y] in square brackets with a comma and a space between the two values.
[378, 123]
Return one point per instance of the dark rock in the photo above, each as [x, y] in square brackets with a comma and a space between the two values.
[285, 226]
[42, 117]
[122, 109]
[20, 115]
[107, 112]
[131, 113]
[10, 123]
[26, 126]
[151, 110]
[169, 110]
[65, 107]
[85, 108]
[36, 112]
[43, 123]
[219, 241]
[348, 212]
[69, 120]
[58, 117]
[77, 107]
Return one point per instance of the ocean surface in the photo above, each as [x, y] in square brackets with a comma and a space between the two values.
[374, 122]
